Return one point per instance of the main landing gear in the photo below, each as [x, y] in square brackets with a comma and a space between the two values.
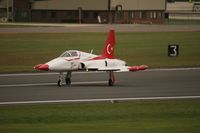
[67, 79]
[68, 76]
[111, 80]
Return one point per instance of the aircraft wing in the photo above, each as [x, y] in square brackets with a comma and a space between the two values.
[118, 69]
[103, 69]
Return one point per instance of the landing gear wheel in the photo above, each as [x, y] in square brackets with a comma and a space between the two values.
[110, 82]
[68, 81]
[59, 83]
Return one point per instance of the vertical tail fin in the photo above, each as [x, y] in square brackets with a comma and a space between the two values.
[108, 51]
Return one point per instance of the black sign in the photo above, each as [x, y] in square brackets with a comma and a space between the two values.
[173, 50]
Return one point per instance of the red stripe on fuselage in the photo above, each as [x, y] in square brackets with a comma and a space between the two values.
[98, 58]
[72, 59]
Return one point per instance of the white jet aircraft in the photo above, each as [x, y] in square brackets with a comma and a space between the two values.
[74, 60]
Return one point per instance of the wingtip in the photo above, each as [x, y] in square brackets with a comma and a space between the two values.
[138, 68]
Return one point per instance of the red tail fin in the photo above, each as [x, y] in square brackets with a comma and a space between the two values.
[108, 51]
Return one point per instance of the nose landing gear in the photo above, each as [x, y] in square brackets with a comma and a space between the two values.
[67, 79]
[59, 83]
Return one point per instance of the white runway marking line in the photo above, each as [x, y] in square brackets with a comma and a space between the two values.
[100, 100]
[43, 84]
[25, 85]
[40, 74]
[26, 74]
[173, 69]
[53, 73]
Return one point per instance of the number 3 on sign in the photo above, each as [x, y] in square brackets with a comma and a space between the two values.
[173, 50]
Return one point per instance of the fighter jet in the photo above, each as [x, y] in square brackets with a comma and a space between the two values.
[75, 60]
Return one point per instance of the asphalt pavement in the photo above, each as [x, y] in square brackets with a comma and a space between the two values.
[150, 83]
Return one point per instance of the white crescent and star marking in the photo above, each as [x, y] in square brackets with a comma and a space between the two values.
[109, 49]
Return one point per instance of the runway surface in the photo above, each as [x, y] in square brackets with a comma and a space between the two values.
[150, 83]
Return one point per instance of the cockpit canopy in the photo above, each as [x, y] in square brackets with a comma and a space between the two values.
[69, 53]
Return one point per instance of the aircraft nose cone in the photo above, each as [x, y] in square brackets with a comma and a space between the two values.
[42, 67]
[37, 66]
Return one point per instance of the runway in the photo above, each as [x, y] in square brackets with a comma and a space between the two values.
[146, 84]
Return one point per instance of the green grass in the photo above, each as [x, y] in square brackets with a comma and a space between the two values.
[20, 52]
[173, 116]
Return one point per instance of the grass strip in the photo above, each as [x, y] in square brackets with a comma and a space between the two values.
[139, 116]
[20, 52]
